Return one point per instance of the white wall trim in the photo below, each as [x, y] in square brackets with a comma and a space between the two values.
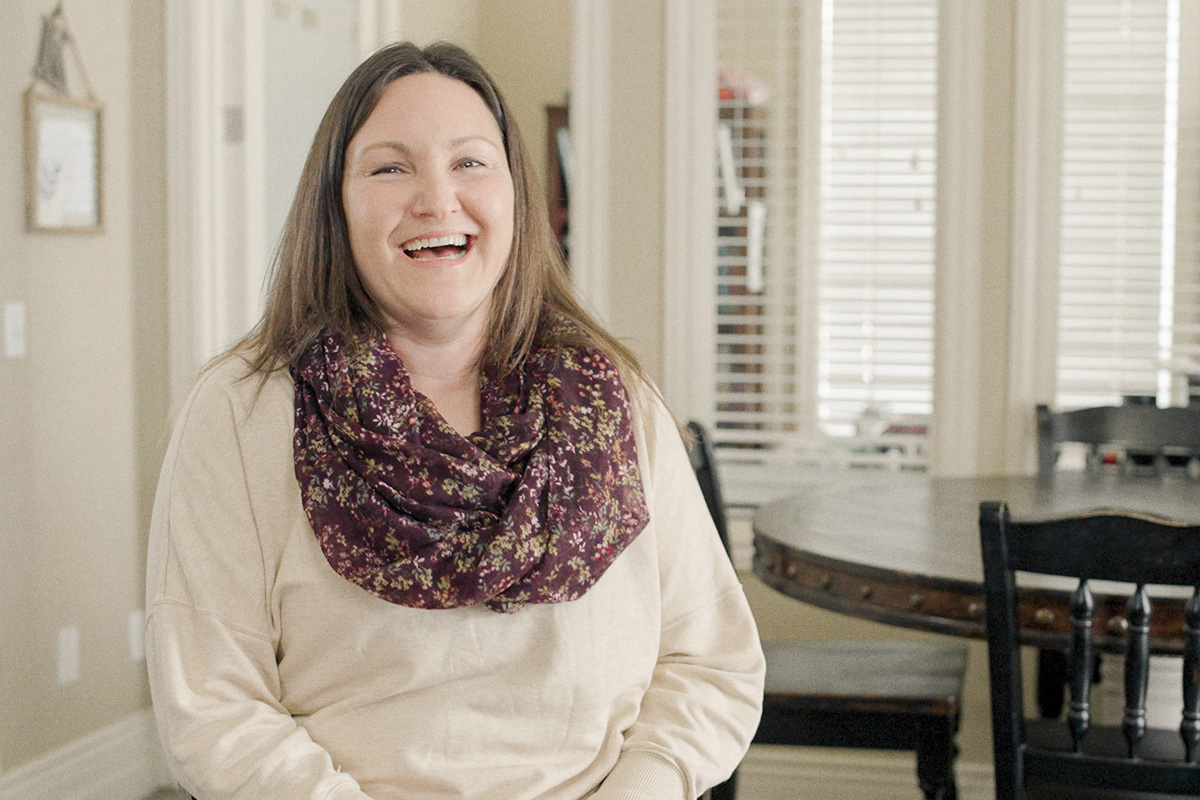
[689, 218]
[958, 270]
[1033, 312]
[121, 762]
[256, 256]
[378, 25]
[195, 181]
[590, 114]
[368, 27]
[190, 77]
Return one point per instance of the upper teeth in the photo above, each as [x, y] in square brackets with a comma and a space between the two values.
[456, 239]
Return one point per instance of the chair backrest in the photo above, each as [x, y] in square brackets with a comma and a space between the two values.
[705, 466]
[1108, 546]
[1143, 430]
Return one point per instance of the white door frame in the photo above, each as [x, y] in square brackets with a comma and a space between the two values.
[194, 224]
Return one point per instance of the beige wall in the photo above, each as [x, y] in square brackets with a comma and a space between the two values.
[83, 412]
[996, 188]
[82, 417]
[526, 46]
[457, 21]
[636, 179]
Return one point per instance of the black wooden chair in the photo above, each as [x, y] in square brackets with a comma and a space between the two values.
[1071, 757]
[890, 695]
[1141, 437]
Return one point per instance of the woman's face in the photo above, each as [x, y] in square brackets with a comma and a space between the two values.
[428, 199]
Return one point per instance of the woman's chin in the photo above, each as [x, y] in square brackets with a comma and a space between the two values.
[445, 316]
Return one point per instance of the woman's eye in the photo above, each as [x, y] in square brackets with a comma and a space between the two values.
[386, 169]
[470, 162]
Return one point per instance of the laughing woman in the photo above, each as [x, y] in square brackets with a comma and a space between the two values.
[429, 532]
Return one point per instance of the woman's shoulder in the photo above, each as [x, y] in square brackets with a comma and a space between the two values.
[230, 385]
[580, 339]
[654, 424]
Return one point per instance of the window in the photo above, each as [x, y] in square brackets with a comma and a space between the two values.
[826, 209]
[1128, 282]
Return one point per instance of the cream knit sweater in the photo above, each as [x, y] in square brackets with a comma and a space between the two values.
[273, 677]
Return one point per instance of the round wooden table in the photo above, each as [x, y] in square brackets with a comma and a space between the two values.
[903, 548]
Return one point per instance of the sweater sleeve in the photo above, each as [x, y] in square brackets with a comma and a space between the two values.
[211, 640]
[705, 697]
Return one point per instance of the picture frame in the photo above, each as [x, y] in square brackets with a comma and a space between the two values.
[64, 186]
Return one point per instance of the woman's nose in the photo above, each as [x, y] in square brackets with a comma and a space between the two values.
[435, 196]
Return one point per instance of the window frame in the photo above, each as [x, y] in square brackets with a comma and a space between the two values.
[689, 231]
[1033, 261]
[1035, 247]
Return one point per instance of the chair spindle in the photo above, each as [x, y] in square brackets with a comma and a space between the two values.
[1190, 727]
[1083, 610]
[1137, 669]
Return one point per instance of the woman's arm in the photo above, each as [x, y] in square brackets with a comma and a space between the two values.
[211, 640]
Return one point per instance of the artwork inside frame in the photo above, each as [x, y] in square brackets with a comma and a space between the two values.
[63, 175]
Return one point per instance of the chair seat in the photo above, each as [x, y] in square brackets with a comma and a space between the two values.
[1057, 791]
[869, 694]
[888, 676]
[1049, 740]
[1106, 741]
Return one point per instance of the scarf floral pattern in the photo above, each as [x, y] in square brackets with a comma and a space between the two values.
[532, 508]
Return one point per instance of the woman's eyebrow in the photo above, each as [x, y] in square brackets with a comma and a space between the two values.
[386, 145]
[474, 138]
[400, 147]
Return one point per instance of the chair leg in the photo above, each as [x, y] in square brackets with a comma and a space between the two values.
[936, 752]
[726, 790]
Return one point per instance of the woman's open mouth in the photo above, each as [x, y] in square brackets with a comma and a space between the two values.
[449, 247]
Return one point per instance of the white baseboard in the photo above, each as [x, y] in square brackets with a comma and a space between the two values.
[809, 773]
[121, 762]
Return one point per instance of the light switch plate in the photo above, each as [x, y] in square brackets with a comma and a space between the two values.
[68, 655]
[137, 641]
[14, 329]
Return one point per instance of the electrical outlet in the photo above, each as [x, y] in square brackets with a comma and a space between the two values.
[68, 655]
[14, 329]
[137, 635]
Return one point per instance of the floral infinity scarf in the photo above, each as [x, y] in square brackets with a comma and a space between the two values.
[532, 508]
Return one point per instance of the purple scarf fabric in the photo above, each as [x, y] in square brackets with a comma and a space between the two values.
[532, 508]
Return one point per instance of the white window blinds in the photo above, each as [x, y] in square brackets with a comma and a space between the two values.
[1127, 289]
[826, 213]
[759, 357]
[877, 209]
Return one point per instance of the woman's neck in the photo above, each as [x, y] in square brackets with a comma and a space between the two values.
[447, 372]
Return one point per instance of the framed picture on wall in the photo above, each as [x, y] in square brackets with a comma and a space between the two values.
[63, 174]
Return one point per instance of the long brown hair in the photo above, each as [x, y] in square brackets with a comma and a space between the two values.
[314, 284]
